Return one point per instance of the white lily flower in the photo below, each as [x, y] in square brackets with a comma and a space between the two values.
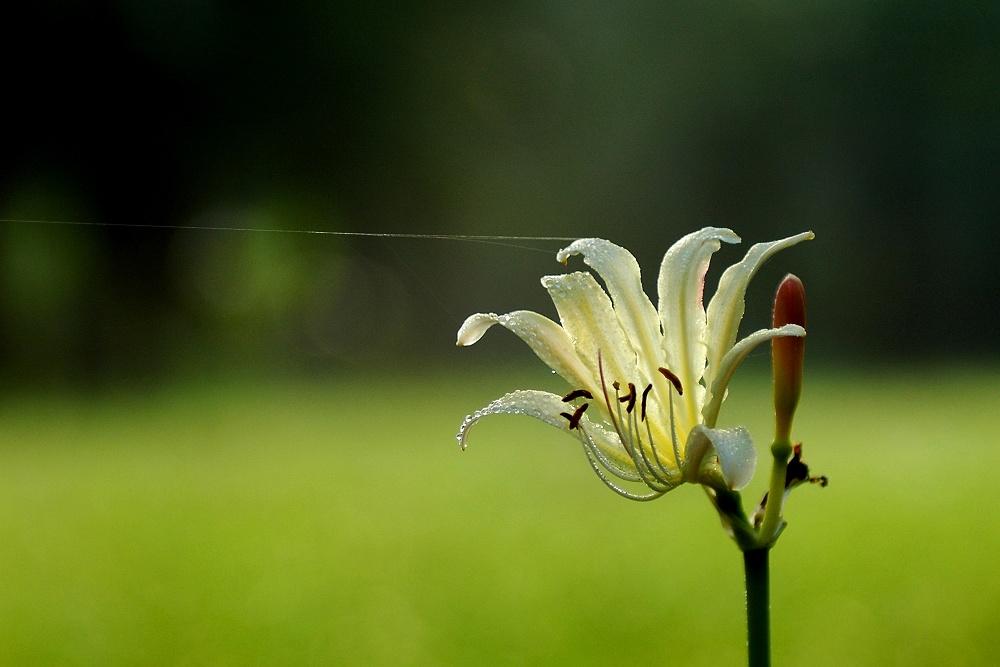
[656, 376]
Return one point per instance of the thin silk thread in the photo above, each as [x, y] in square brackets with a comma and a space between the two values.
[391, 235]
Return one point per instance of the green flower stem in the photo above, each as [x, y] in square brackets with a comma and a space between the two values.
[758, 607]
[771, 525]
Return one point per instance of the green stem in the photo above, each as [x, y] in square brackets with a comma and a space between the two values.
[781, 451]
[758, 607]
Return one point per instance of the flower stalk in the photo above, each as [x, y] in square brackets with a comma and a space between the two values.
[755, 568]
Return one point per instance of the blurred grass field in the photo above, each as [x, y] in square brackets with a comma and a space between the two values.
[339, 524]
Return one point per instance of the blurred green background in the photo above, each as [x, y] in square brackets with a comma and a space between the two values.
[237, 448]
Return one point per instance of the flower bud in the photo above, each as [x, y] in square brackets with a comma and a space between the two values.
[787, 354]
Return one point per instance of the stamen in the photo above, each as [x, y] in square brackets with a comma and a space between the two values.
[609, 464]
[645, 394]
[577, 393]
[607, 400]
[673, 434]
[574, 419]
[628, 398]
[632, 442]
[676, 381]
[667, 474]
[624, 436]
[633, 422]
[656, 493]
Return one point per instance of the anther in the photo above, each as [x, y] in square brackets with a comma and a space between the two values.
[674, 380]
[629, 398]
[616, 385]
[574, 419]
[645, 394]
[577, 393]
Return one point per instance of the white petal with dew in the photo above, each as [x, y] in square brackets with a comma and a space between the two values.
[620, 272]
[725, 310]
[538, 404]
[734, 447]
[548, 408]
[681, 287]
[588, 317]
[474, 327]
[638, 319]
[729, 363]
[546, 339]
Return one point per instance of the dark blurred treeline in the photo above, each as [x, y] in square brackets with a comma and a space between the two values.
[876, 124]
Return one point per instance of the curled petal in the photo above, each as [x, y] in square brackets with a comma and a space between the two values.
[734, 447]
[546, 339]
[729, 363]
[548, 408]
[474, 327]
[726, 308]
[538, 404]
[682, 313]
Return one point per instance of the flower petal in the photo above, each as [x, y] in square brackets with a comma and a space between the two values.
[548, 408]
[474, 327]
[638, 320]
[729, 363]
[734, 447]
[726, 308]
[546, 339]
[632, 307]
[588, 317]
[538, 404]
[682, 313]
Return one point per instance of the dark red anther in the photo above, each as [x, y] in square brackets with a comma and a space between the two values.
[629, 398]
[645, 393]
[574, 419]
[577, 393]
[674, 380]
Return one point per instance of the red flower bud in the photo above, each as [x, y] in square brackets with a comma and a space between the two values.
[787, 354]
